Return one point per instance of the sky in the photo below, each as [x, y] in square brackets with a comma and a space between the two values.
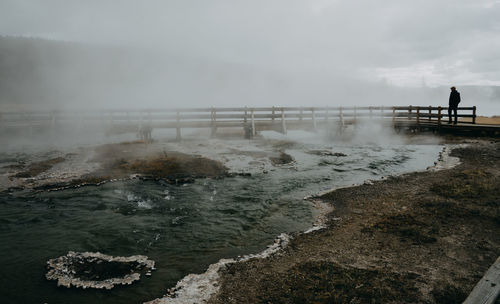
[400, 42]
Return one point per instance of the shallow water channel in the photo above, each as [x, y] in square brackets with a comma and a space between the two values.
[183, 228]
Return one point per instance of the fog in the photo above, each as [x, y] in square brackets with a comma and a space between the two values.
[98, 91]
[57, 54]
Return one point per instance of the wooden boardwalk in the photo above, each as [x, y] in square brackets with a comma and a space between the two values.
[488, 288]
[251, 120]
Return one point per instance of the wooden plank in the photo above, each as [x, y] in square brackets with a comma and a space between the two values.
[488, 288]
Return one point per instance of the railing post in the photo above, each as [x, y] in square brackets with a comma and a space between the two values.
[371, 112]
[213, 122]
[273, 115]
[474, 114]
[418, 115]
[253, 122]
[30, 120]
[81, 121]
[283, 123]
[439, 115]
[341, 117]
[146, 135]
[245, 118]
[313, 118]
[53, 119]
[393, 114]
[409, 112]
[178, 126]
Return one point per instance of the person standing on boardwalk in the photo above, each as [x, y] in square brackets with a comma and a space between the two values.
[453, 104]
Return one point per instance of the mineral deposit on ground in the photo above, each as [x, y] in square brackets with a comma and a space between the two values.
[97, 270]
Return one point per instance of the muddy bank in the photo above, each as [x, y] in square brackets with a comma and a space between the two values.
[425, 237]
[122, 160]
[176, 163]
[93, 166]
[35, 168]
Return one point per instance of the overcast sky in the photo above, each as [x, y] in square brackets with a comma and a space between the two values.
[407, 43]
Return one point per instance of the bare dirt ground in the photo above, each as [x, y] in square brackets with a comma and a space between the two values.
[425, 237]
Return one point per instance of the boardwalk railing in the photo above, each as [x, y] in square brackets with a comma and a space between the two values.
[437, 114]
[252, 119]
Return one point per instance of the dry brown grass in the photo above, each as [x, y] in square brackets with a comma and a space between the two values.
[327, 282]
[494, 120]
[467, 183]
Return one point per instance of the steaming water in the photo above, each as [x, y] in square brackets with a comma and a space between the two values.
[183, 228]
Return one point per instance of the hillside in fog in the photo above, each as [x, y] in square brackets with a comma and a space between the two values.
[42, 72]
[47, 74]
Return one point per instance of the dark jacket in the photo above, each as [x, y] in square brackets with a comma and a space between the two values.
[454, 98]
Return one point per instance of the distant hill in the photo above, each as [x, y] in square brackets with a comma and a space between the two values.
[46, 74]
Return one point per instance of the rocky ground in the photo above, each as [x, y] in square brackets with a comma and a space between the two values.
[425, 237]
